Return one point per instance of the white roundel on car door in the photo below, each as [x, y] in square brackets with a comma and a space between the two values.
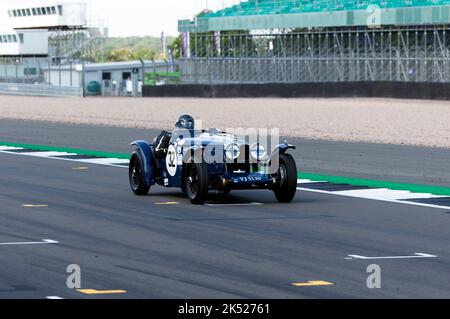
[171, 161]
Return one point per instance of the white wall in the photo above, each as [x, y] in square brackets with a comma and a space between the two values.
[65, 77]
[9, 48]
[35, 42]
[73, 14]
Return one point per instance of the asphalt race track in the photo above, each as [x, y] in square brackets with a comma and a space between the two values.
[56, 213]
[409, 164]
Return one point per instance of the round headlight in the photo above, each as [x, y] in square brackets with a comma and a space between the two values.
[258, 151]
[232, 151]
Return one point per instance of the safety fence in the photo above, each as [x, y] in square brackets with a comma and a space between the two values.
[403, 54]
[39, 89]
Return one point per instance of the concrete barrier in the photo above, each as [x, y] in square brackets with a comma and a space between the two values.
[411, 90]
[39, 90]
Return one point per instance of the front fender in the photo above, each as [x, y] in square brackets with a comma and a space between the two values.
[283, 148]
[274, 158]
[146, 152]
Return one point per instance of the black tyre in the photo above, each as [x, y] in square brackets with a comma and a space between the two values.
[196, 183]
[286, 179]
[137, 176]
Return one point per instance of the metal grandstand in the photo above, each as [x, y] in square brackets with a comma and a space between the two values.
[70, 33]
[295, 41]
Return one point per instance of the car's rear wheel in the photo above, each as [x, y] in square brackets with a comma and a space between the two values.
[286, 177]
[196, 183]
[136, 175]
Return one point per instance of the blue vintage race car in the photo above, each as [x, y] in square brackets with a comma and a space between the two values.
[198, 161]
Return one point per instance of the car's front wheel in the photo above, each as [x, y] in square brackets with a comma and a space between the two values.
[286, 177]
[196, 183]
[136, 175]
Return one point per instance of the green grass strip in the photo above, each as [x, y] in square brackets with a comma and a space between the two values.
[67, 150]
[435, 190]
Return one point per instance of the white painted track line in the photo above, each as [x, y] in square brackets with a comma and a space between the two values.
[9, 148]
[416, 255]
[384, 193]
[48, 154]
[52, 155]
[308, 181]
[43, 242]
[243, 204]
[397, 201]
[103, 161]
[379, 194]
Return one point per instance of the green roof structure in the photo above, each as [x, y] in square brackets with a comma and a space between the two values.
[290, 14]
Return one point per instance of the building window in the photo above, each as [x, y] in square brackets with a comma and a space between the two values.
[24, 13]
[28, 12]
[34, 11]
[106, 76]
[53, 10]
[21, 37]
[44, 12]
[60, 10]
[126, 75]
[39, 11]
[30, 71]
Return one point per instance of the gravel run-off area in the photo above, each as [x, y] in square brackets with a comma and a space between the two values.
[393, 121]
